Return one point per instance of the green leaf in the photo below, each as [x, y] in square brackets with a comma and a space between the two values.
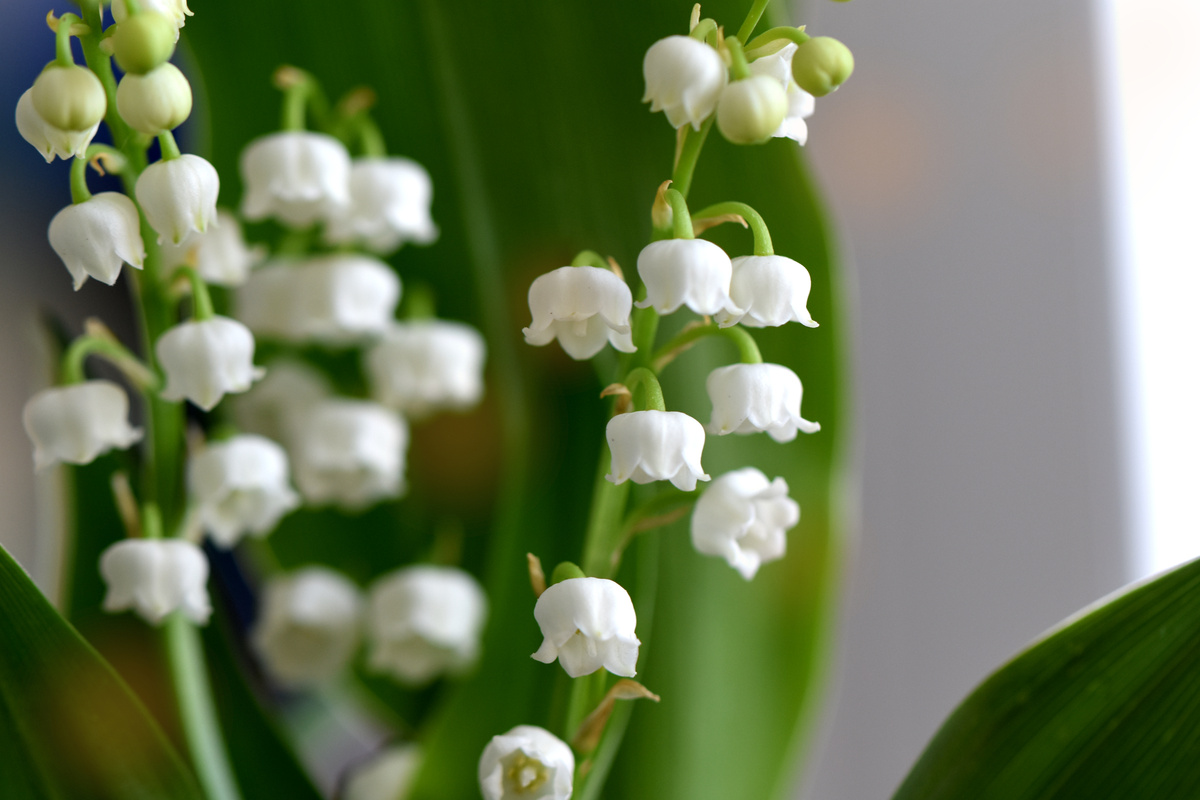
[69, 727]
[1105, 706]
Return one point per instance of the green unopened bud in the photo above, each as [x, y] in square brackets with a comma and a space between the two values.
[158, 101]
[751, 110]
[566, 571]
[821, 65]
[144, 41]
[69, 98]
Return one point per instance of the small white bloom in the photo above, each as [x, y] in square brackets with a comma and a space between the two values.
[389, 205]
[388, 775]
[206, 359]
[308, 626]
[749, 398]
[299, 177]
[423, 366]
[178, 196]
[75, 424]
[175, 10]
[349, 452]
[95, 237]
[588, 623]
[425, 621]
[800, 103]
[656, 446]
[241, 486]
[220, 254]
[49, 140]
[527, 762]
[743, 518]
[684, 78]
[158, 101]
[766, 292]
[691, 272]
[276, 404]
[582, 307]
[155, 577]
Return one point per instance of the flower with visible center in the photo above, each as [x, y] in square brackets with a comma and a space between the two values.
[582, 307]
[95, 237]
[155, 577]
[527, 763]
[743, 518]
[389, 205]
[656, 446]
[241, 486]
[427, 365]
[588, 623]
[766, 292]
[220, 254]
[298, 177]
[47, 139]
[157, 101]
[691, 272]
[751, 398]
[206, 359]
[684, 79]
[424, 621]
[178, 196]
[75, 424]
[349, 452]
[751, 110]
[387, 775]
[800, 104]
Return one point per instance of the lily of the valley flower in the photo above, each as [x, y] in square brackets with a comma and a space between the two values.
[684, 79]
[389, 205]
[241, 486]
[155, 577]
[70, 98]
[656, 446]
[424, 621]
[527, 763]
[308, 626]
[388, 775]
[47, 139]
[206, 359]
[275, 406]
[749, 398]
[95, 237]
[743, 518]
[426, 365]
[158, 101]
[768, 291]
[800, 104]
[582, 307]
[588, 623]
[298, 177]
[75, 424]
[349, 452]
[178, 196]
[691, 272]
[220, 254]
[751, 110]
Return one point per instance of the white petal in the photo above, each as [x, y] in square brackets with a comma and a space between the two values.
[75, 424]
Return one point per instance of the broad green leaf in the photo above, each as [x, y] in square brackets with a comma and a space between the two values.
[1105, 706]
[69, 727]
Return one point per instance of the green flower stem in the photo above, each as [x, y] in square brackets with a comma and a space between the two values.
[99, 63]
[655, 512]
[681, 178]
[419, 302]
[775, 34]
[586, 693]
[303, 95]
[704, 28]
[166, 142]
[62, 41]
[116, 353]
[79, 187]
[762, 236]
[645, 331]
[202, 304]
[644, 377]
[681, 220]
[739, 66]
[152, 525]
[604, 518]
[752, 18]
[370, 138]
[747, 347]
[589, 258]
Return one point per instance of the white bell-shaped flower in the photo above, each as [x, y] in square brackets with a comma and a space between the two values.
[70, 98]
[266, 302]
[588, 623]
[49, 140]
[298, 177]
[654, 445]
[424, 621]
[220, 254]
[801, 104]
[308, 626]
[349, 452]
[388, 775]
[684, 79]
[155, 577]
[582, 307]
[158, 101]
[750, 398]
[206, 359]
[95, 237]
[389, 206]
[691, 272]
[178, 196]
[75, 424]
[527, 763]
[275, 405]
[766, 292]
[751, 110]
[174, 10]
[240, 487]
[744, 518]
[427, 365]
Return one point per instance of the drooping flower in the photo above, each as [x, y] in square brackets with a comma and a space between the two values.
[95, 237]
[70, 98]
[684, 79]
[308, 626]
[388, 775]
[47, 139]
[656, 446]
[821, 65]
[275, 405]
[582, 307]
[768, 291]
[527, 762]
[206, 359]
[424, 621]
[751, 110]
[389, 206]
[240, 486]
[801, 104]
[178, 196]
[349, 452]
[75, 424]
[426, 365]
[588, 623]
[155, 577]
[298, 177]
[743, 518]
[749, 398]
[158, 101]
[691, 272]
[220, 254]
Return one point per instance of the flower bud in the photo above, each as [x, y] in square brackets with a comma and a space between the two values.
[95, 237]
[743, 518]
[143, 42]
[70, 98]
[751, 110]
[588, 623]
[49, 140]
[240, 486]
[155, 102]
[206, 359]
[178, 196]
[684, 79]
[75, 424]
[821, 65]
[155, 577]
[527, 762]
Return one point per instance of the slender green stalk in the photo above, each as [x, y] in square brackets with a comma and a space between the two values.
[704, 28]
[129, 364]
[681, 220]
[762, 236]
[775, 34]
[370, 138]
[651, 389]
[752, 18]
[662, 509]
[747, 347]
[681, 177]
[79, 187]
[202, 304]
[589, 258]
[62, 41]
[170, 149]
[738, 65]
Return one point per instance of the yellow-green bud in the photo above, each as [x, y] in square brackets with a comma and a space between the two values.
[69, 98]
[821, 65]
[751, 110]
[144, 41]
[157, 101]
